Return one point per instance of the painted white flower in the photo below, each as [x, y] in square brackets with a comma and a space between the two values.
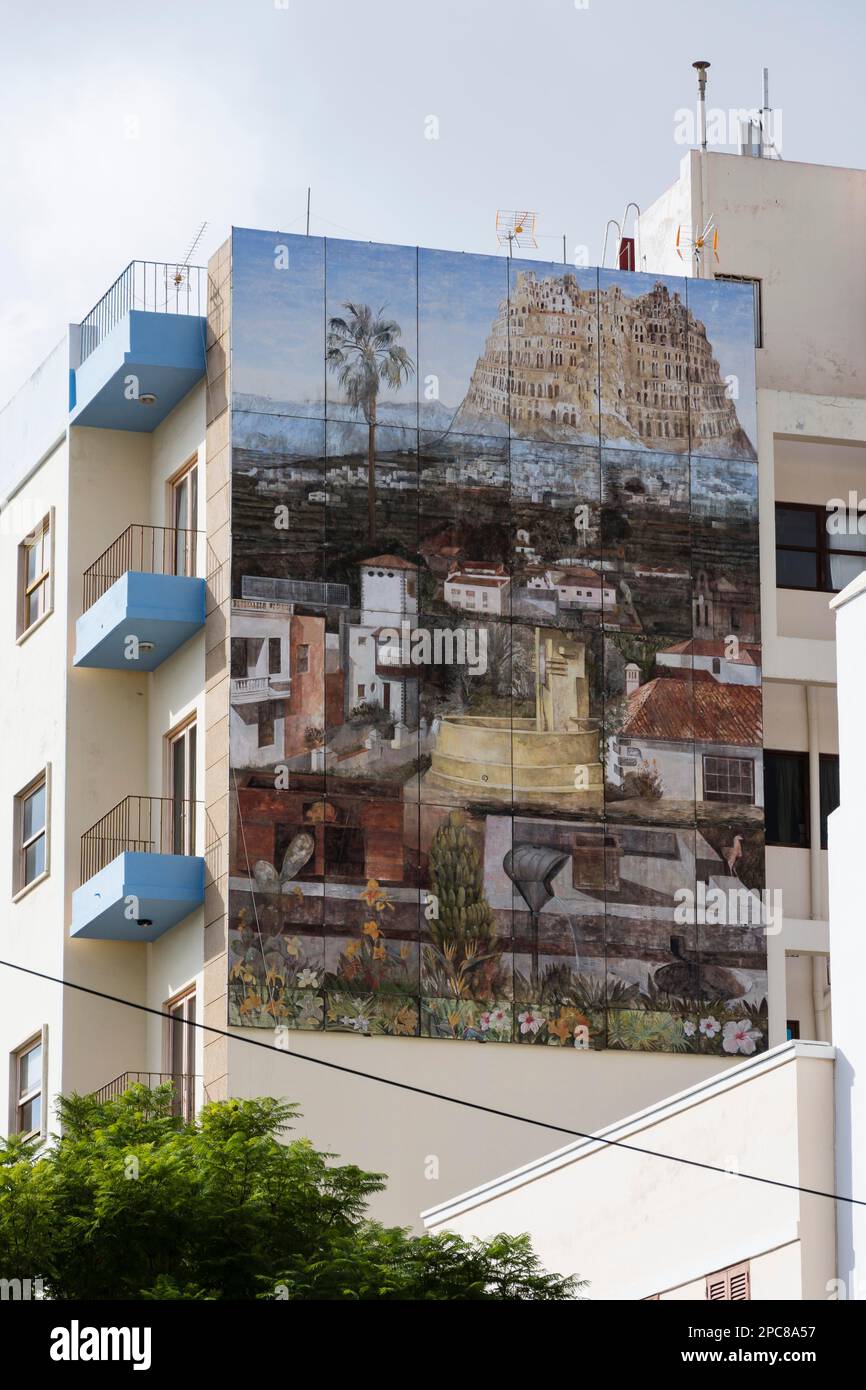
[485, 1021]
[710, 1026]
[497, 1018]
[740, 1036]
[530, 1022]
[307, 979]
[689, 1028]
[361, 1024]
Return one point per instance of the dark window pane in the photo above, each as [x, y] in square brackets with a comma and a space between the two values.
[275, 659]
[34, 860]
[796, 569]
[34, 812]
[785, 799]
[239, 657]
[30, 1070]
[795, 526]
[829, 765]
[31, 1115]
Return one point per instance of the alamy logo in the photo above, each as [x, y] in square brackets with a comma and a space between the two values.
[20, 1289]
[444, 646]
[729, 907]
[77, 1343]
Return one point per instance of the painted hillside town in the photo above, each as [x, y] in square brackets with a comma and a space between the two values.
[495, 650]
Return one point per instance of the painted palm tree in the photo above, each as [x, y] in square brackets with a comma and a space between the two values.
[363, 351]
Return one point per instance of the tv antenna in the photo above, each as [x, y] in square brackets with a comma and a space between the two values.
[179, 275]
[698, 241]
[515, 229]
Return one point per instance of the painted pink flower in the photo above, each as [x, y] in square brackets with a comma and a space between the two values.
[530, 1022]
[710, 1026]
[485, 1020]
[740, 1036]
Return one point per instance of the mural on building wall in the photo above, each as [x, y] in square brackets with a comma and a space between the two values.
[495, 651]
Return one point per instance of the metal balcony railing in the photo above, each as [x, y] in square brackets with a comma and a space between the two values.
[157, 287]
[143, 825]
[146, 549]
[183, 1083]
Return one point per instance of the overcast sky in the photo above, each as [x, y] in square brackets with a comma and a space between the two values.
[124, 126]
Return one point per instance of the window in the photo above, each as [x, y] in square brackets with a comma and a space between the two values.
[758, 304]
[238, 658]
[27, 1066]
[816, 548]
[786, 796]
[180, 1052]
[731, 1285]
[182, 789]
[266, 724]
[303, 660]
[792, 1029]
[729, 779]
[275, 656]
[184, 516]
[31, 834]
[35, 594]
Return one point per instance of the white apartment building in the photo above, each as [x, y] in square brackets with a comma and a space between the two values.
[782, 225]
[115, 525]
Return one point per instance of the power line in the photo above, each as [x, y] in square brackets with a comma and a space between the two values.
[434, 1095]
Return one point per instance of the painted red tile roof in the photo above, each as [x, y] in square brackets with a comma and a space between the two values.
[702, 709]
[388, 562]
[749, 655]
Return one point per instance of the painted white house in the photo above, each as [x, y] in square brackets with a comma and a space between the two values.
[260, 681]
[389, 594]
[478, 586]
[741, 668]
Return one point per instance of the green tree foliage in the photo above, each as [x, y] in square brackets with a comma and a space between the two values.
[133, 1202]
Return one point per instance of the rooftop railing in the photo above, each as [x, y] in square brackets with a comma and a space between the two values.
[156, 287]
[147, 550]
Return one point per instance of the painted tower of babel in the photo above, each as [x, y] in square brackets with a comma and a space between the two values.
[653, 360]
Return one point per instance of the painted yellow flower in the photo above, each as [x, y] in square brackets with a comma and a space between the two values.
[376, 897]
[293, 946]
[405, 1021]
[379, 951]
[371, 929]
[352, 949]
[404, 950]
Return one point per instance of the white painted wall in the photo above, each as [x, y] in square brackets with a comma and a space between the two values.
[32, 718]
[636, 1225]
[847, 937]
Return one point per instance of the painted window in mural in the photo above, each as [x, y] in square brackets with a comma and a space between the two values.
[496, 663]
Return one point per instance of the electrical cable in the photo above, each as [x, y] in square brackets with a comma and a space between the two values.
[437, 1095]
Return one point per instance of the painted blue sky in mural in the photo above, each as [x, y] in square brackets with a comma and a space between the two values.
[447, 304]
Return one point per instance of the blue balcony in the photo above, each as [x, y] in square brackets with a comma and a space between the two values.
[142, 600]
[140, 349]
[141, 873]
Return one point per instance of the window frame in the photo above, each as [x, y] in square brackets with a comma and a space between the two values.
[19, 849]
[803, 759]
[725, 796]
[758, 296]
[822, 551]
[184, 824]
[188, 476]
[184, 1007]
[43, 532]
[18, 1101]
